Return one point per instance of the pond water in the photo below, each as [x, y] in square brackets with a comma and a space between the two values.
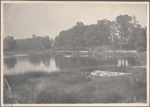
[21, 63]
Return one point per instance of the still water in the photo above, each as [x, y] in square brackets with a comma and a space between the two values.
[21, 63]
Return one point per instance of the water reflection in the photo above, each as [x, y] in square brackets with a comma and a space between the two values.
[123, 62]
[49, 63]
[94, 61]
[10, 62]
[37, 59]
[33, 62]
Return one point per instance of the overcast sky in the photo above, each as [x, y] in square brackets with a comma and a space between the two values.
[23, 20]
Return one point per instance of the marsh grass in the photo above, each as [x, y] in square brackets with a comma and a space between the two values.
[78, 87]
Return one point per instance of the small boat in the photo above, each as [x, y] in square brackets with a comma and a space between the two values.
[68, 56]
[107, 73]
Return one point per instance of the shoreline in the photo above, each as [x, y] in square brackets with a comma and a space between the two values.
[120, 53]
[140, 56]
[27, 52]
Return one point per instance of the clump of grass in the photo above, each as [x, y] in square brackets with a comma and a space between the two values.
[25, 96]
[139, 77]
[113, 98]
[7, 95]
[16, 80]
[56, 97]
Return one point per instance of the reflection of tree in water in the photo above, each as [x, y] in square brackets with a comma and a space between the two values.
[132, 61]
[37, 59]
[65, 63]
[74, 62]
[105, 60]
[10, 62]
[88, 62]
[46, 59]
[97, 61]
[23, 59]
[117, 60]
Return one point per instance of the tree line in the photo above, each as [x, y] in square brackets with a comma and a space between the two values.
[34, 43]
[125, 33]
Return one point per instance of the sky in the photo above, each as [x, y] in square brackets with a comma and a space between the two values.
[23, 20]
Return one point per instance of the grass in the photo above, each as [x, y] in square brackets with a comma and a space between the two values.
[78, 87]
[8, 97]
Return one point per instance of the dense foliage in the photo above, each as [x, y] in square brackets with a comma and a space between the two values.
[125, 33]
[9, 43]
[34, 43]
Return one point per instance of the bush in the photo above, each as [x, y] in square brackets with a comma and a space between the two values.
[98, 49]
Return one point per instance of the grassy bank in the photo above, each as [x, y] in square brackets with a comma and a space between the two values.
[78, 87]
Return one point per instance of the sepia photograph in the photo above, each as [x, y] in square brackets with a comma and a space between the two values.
[79, 53]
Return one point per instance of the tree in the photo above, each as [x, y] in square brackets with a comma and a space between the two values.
[9, 43]
[133, 37]
[46, 43]
[125, 30]
[104, 27]
[124, 23]
[35, 43]
[33, 36]
[141, 42]
[79, 24]
[114, 35]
